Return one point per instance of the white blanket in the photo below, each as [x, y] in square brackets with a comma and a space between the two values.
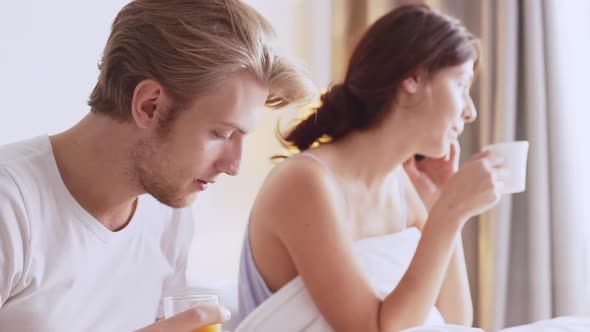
[385, 260]
[291, 309]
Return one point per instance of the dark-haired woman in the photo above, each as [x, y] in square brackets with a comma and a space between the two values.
[346, 214]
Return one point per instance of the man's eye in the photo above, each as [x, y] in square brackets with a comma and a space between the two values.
[222, 136]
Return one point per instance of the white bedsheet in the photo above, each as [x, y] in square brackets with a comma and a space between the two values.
[560, 324]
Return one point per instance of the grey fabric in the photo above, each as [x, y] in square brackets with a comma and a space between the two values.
[252, 289]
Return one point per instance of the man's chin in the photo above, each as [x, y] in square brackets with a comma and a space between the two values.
[178, 202]
[190, 199]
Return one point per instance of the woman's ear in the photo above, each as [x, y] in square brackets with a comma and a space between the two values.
[412, 83]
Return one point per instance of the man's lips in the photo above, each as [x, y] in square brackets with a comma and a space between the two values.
[202, 184]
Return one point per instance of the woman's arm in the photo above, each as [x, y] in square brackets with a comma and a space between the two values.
[411, 301]
[454, 300]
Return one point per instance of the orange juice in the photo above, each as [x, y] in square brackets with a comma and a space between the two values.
[209, 328]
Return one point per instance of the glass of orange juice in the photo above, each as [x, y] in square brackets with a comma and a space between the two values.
[174, 305]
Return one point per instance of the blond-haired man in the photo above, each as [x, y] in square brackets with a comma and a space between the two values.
[94, 222]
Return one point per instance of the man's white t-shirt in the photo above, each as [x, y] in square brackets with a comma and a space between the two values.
[61, 270]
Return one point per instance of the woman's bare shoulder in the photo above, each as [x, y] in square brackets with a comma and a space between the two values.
[298, 187]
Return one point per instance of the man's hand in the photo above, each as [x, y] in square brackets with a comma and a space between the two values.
[203, 315]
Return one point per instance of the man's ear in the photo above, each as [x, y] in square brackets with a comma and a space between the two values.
[149, 100]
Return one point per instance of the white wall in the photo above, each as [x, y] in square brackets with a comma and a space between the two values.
[49, 51]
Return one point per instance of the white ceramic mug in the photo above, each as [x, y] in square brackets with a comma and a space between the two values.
[515, 156]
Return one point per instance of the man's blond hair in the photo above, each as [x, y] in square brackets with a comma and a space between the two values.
[190, 46]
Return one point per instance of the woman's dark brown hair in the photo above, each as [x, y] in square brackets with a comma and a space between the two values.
[408, 39]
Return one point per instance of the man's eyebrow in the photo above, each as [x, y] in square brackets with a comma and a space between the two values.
[234, 125]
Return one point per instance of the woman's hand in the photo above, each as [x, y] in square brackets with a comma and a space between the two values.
[429, 176]
[474, 189]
